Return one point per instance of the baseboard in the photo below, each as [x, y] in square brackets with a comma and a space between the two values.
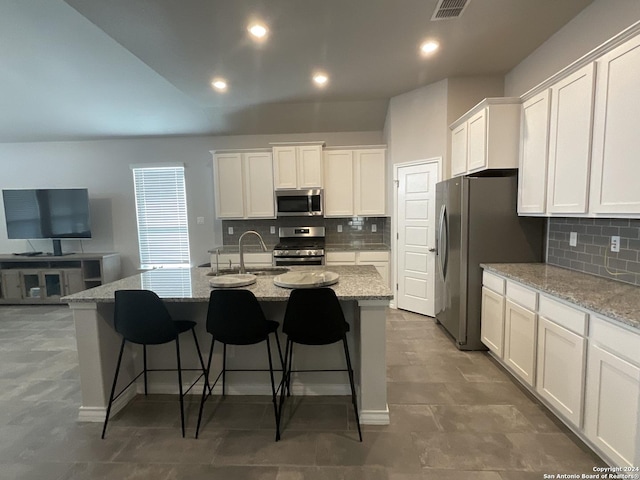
[97, 414]
[375, 417]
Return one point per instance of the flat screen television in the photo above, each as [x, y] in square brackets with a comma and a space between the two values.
[55, 213]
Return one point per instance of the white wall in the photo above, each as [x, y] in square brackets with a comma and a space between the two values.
[103, 168]
[593, 26]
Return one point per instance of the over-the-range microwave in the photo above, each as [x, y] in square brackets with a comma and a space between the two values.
[299, 203]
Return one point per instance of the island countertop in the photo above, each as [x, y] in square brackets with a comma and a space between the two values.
[361, 282]
[615, 300]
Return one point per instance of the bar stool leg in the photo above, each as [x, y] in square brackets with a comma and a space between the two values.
[204, 370]
[354, 399]
[224, 368]
[204, 388]
[273, 391]
[144, 363]
[180, 385]
[113, 388]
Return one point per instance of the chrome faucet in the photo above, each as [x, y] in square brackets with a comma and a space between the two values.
[264, 247]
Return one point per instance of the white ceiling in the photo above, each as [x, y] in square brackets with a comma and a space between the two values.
[83, 69]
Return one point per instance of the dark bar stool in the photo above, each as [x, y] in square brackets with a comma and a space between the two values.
[235, 317]
[314, 317]
[141, 317]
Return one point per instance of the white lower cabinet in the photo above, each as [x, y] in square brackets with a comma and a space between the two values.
[520, 341]
[585, 368]
[612, 407]
[251, 260]
[561, 368]
[379, 259]
[492, 327]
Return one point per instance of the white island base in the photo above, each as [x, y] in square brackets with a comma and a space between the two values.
[98, 347]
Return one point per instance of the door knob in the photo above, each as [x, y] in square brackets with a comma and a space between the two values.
[432, 249]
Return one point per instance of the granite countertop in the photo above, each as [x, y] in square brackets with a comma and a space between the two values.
[615, 300]
[224, 249]
[362, 282]
[329, 247]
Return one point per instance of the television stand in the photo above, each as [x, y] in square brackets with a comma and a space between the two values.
[46, 278]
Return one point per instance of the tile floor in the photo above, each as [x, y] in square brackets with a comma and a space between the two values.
[454, 415]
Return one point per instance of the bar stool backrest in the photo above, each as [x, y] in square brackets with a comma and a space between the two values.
[141, 317]
[235, 317]
[314, 317]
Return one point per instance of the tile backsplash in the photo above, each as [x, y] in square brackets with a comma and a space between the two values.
[354, 229]
[593, 254]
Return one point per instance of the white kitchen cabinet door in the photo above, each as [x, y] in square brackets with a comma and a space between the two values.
[612, 413]
[338, 189]
[297, 166]
[534, 143]
[520, 341]
[570, 142]
[492, 321]
[340, 258]
[616, 140]
[561, 369]
[229, 185]
[378, 259]
[258, 181]
[309, 164]
[285, 167]
[477, 141]
[370, 187]
[459, 150]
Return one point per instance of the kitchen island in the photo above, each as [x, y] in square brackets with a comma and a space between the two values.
[364, 297]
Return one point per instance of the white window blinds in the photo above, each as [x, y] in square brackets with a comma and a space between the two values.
[161, 208]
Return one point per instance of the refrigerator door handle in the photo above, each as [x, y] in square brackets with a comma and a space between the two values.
[441, 247]
[445, 242]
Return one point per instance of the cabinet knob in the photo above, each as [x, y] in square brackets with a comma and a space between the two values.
[432, 249]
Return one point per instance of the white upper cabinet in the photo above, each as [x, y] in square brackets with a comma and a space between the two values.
[229, 185]
[297, 166]
[459, 150]
[581, 127]
[534, 141]
[486, 137]
[338, 190]
[355, 182]
[477, 141]
[243, 183]
[616, 132]
[370, 189]
[570, 142]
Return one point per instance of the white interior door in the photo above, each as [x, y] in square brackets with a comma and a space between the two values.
[416, 201]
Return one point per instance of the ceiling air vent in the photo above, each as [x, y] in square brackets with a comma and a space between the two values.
[446, 9]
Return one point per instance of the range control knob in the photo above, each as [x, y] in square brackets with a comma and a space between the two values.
[297, 252]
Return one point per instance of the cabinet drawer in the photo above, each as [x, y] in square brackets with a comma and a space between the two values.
[522, 295]
[262, 258]
[373, 257]
[341, 257]
[570, 318]
[618, 340]
[493, 282]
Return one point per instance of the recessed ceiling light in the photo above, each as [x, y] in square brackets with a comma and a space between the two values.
[429, 47]
[220, 84]
[320, 79]
[258, 31]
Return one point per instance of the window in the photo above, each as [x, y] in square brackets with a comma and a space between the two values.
[161, 209]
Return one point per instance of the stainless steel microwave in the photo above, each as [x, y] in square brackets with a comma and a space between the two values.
[299, 203]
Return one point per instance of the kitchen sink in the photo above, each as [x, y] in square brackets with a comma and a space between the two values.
[254, 270]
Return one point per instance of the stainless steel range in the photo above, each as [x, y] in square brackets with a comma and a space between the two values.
[299, 246]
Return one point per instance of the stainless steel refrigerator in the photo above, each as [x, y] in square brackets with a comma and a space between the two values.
[477, 223]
